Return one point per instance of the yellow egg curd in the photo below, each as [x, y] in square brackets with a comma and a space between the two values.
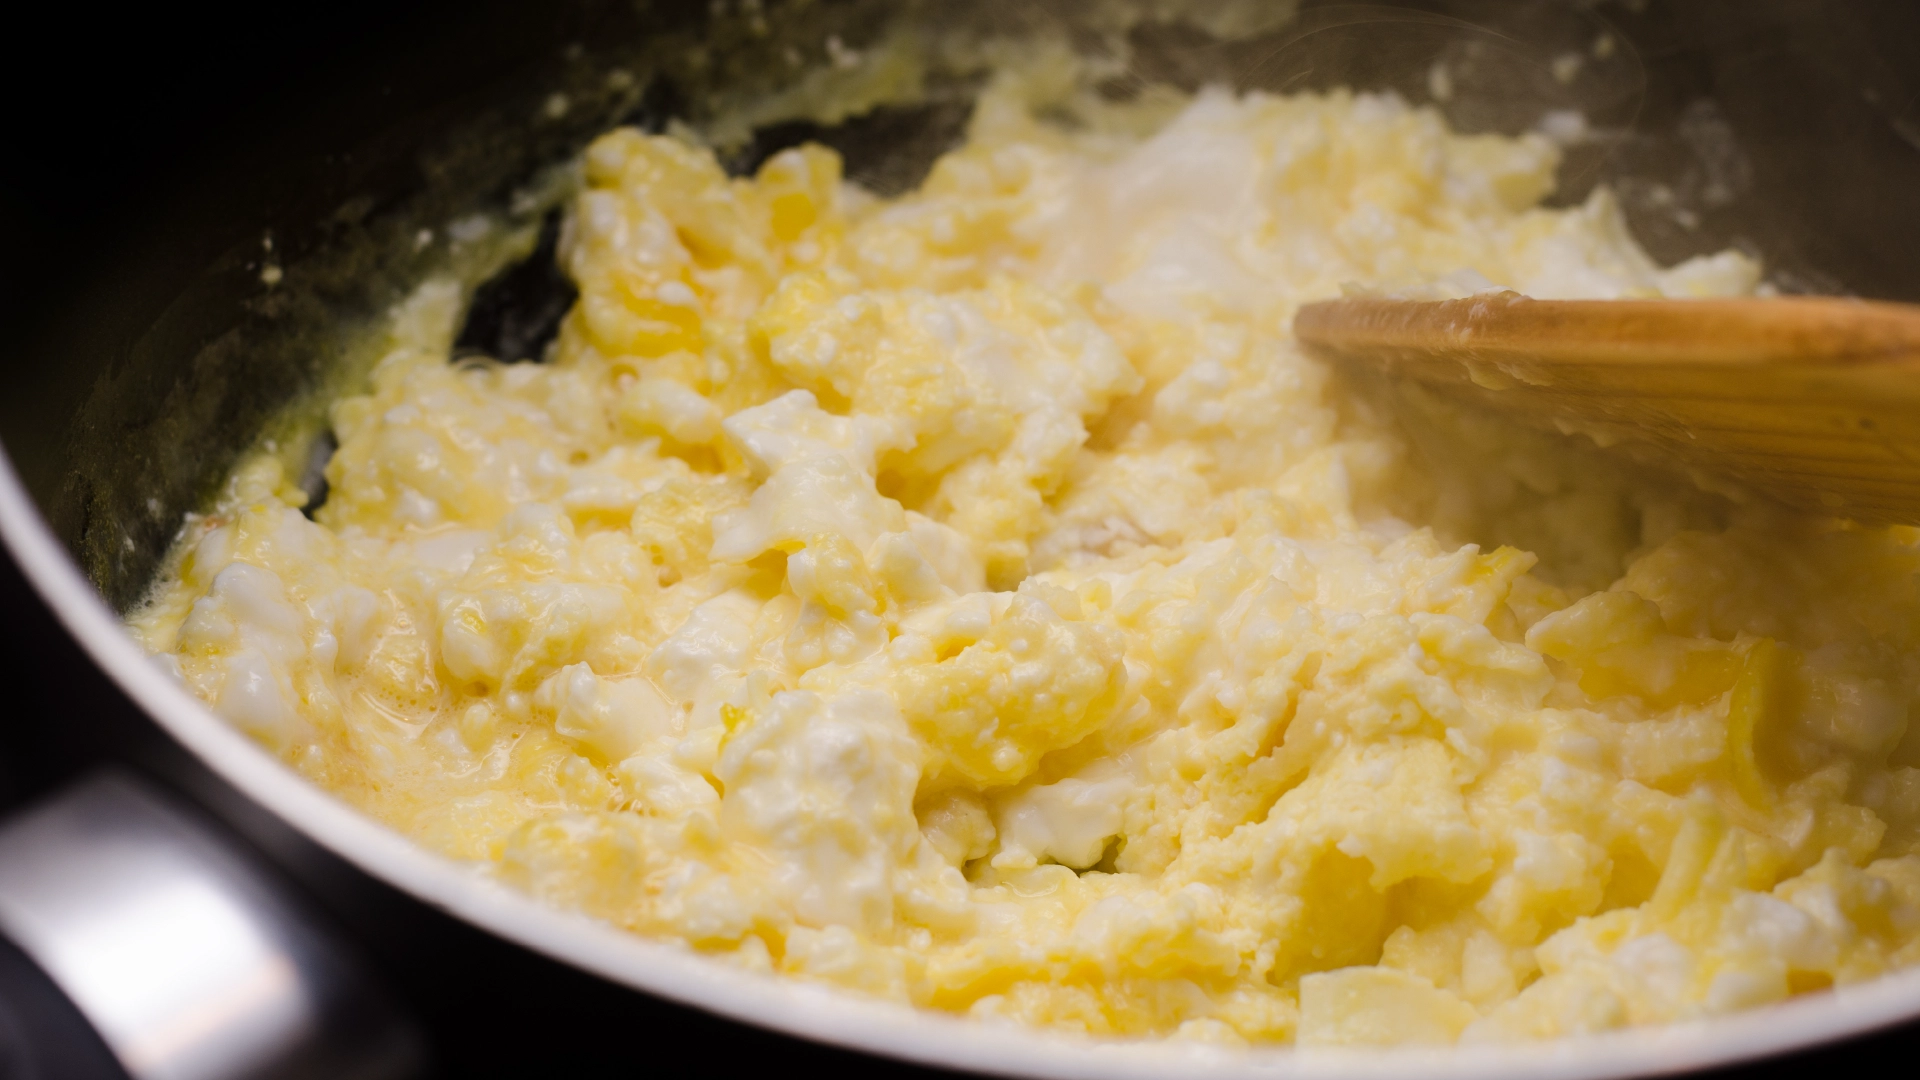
[975, 599]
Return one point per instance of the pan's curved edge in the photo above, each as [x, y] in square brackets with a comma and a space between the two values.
[829, 1016]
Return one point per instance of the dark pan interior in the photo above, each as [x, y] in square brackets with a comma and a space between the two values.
[148, 352]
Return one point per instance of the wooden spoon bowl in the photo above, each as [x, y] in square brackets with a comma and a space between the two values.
[1813, 402]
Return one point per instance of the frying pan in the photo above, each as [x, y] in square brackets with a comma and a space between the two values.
[200, 911]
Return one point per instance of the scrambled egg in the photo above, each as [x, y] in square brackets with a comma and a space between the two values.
[975, 599]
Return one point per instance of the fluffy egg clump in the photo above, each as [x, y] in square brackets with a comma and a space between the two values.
[975, 599]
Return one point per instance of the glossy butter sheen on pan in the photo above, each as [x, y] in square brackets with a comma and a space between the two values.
[975, 599]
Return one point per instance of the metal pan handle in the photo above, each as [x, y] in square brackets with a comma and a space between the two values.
[123, 908]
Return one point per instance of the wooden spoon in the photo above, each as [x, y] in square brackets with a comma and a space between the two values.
[1814, 402]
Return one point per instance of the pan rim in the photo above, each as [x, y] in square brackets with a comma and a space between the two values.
[825, 1015]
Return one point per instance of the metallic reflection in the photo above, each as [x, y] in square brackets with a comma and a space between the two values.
[182, 957]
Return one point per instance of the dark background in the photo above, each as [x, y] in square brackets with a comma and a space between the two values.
[109, 117]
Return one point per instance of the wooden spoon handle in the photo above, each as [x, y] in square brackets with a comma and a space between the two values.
[1788, 330]
[1812, 401]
